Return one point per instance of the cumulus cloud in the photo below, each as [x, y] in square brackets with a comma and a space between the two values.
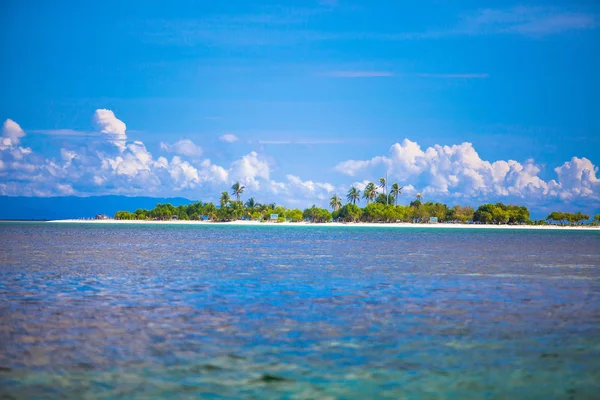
[459, 171]
[456, 172]
[133, 170]
[134, 161]
[110, 125]
[310, 188]
[578, 177]
[228, 138]
[216, 172]
[184, 147]
[15, 160]
[11, 134]
[296, 192]
[68, 156]
[249, 169]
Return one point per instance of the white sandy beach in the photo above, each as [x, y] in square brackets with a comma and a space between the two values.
[331, 224]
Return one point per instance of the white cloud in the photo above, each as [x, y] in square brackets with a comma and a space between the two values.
[215, 172]
[67, 156]
[296, 192]
[229, 138]
[310, 188]
[111, 126]
[184, 147]
[65, 189]
[352, 167]
[133, 161]
[455, 171]
[183, 173]
[578, 177]
[458, 171]
[359, 74]
[529, 21]
[11, 134]
[16, 161]
[361, 185]
[249, 169]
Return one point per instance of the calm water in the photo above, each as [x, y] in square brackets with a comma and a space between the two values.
[124, 311]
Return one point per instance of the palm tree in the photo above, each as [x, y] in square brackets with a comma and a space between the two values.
[396, 191]
[251, 203]
[237, 190]
[382, 183]
[353, 195]
[419, 196]
[225, 199]
[335, 202]
[237, 209]
[370, 192]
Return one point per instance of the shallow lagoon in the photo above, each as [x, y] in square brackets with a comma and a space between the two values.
[125, 311]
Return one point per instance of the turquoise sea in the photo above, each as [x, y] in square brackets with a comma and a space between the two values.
[211, 311]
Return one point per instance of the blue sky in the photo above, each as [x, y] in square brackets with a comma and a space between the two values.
[135, 98]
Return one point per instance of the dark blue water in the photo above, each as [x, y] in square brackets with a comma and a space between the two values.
[124, 311]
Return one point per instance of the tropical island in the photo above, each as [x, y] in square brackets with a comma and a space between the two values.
[381, 207]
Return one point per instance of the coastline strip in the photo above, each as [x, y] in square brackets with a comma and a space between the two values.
[331, 224]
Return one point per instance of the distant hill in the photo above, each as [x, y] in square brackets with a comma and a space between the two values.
[28, 208]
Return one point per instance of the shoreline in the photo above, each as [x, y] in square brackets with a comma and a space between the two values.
[328, 224]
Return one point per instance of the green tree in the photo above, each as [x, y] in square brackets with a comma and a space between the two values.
[382, 184]
[374, 212]
[353, 195]
[396, 191]
[462, 214]
[162, 212]
[295, 215]
[384, 199]
[140, 213]
[237, 190]
[500, 216]
[210, 210]
[251, 203]
[517, 215]
[500, 213]
[484, 217]
[236, 209]
[316, 214]
[370, 192]
[349, 213]
[484, 213]
[556, 217]
[580, 217]
[335, 202]
[415, 203]
[223, 214]
[125, 215]
[225, 199]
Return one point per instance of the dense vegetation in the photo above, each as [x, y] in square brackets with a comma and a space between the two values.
[567, 218]
[380, 207]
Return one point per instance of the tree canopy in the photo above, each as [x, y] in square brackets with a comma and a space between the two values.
[381, 207]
